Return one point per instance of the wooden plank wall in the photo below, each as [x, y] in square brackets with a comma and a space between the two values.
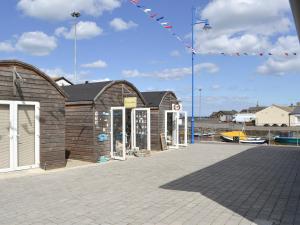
[52, 111]
[80, 132]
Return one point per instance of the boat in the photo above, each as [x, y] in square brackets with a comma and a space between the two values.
[287, 140]
[241, 137]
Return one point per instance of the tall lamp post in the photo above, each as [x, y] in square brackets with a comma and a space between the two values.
[206, 27]
[75, 15]
[200, 90]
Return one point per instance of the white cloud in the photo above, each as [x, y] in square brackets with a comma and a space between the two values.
[85, 30]
[61, 9]
[280, 64]
[242, 25]
[36, 43]
[57, 72]
[97, 64]
[118, 24]
[216, 87]
[100, 80]
[175, 53]
[6, 47]
[252, 16]
[173, 73]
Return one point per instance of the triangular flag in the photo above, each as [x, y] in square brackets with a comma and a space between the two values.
[168, 27]
[135, 1]
[147, 10]
[160, 18]
[153, 15]
[164, 23]
[287, 54]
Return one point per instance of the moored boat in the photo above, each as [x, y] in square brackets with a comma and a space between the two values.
[287, 140]
[241, 137]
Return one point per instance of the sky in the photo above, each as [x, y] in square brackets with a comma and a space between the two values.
[117, 41]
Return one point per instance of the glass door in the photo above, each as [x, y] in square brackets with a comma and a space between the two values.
[141, 129]
[171, 128]
[182, 128]
[118, 133]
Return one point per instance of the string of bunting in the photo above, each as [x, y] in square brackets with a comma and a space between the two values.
[160, 19]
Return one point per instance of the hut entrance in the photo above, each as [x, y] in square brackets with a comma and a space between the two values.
[19, 135]
[130, 131]
[176, 128]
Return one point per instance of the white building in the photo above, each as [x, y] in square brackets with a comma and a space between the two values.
[244, 117]
[62, 81]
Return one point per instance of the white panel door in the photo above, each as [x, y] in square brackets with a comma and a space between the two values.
[26, 135]
[19, 135]
[5, 137]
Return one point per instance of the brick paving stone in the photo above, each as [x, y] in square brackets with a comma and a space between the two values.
[204, 184]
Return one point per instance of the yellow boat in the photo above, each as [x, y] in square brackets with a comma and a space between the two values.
[234, 136]
[241, 137]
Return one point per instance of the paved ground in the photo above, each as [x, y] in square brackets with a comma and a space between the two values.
[208, 184]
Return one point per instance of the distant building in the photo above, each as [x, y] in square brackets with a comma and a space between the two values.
[275, 115]
[244, 118]
[224, 116]
[62, 81]
[253, 110]
[296, 115]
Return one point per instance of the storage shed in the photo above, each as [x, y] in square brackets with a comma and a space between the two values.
[168, 121]
[32, 118]
[106, 119]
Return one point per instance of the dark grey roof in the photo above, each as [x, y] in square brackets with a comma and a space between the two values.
[154, 98]
[84, 92]
[296, 111]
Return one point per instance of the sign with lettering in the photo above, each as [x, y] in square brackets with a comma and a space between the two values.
[130, 102]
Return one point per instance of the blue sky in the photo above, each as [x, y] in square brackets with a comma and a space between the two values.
[118, 41]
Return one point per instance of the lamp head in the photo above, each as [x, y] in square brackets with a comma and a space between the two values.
[75, 14]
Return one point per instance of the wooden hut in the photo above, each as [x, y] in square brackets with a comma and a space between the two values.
[32, 118]
[106, 119]
[168, 121]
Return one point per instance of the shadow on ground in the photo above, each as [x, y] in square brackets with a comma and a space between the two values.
[260, 184]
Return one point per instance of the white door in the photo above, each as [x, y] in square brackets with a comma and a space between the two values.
[182, 128]
[171, 128]
[141, 129]
[5, 137]
[118, 133]
[19, 135]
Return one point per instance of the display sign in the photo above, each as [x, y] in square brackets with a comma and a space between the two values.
[130, 102]
[177, 107]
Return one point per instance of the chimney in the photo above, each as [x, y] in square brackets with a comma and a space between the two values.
[86, 82]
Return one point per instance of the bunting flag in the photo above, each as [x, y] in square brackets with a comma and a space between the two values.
[160, 19]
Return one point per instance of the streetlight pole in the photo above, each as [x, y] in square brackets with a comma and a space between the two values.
[75, 15]
[193, 80]
[206, 27]
[199, 130]
[199, 103]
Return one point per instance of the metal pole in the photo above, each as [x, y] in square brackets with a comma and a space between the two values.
[75, 51]
[193, 80]
[199, 112]
[75, 15]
